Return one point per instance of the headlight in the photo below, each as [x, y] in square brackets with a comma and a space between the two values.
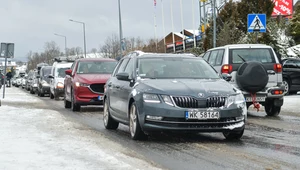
[78, 84]
[60, 85]
[44, 83]
[167, 99]
[151, 98]
[235, 99]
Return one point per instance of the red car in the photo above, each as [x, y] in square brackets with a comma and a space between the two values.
[84, 82]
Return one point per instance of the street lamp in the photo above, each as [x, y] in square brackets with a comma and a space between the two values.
[84, 41]
[65, 42]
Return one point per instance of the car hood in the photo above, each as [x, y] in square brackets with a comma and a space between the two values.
[59, 80]
[93, 78]
[187, 87]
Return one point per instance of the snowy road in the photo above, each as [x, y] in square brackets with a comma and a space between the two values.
[39, 132]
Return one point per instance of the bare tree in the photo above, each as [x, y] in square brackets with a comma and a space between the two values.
[94, 51]
[78, 51]
[111, 47]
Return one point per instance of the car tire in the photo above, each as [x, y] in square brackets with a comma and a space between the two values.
[108, 121]
[67, 103]
[56, 97]
[286, 86]
[75, 107]
[51, 96]
[135, 129]
[271, 109]
[233, 135]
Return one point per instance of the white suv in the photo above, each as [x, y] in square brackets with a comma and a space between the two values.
[254, 69]
[57, 78]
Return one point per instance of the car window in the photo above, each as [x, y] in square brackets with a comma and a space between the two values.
[206, 55]
[95, 67]
[129, 68]
[219, 58]
[297, 62]
[212, 58]
[263, 55]
[123, 65]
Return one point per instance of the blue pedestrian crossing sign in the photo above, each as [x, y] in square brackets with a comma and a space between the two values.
[257, 23]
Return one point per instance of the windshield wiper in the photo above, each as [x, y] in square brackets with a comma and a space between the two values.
[241, 58]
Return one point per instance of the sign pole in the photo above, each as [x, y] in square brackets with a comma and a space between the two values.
[256, 35]
[4, 85]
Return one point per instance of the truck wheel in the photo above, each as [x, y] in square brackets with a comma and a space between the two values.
[271, 109]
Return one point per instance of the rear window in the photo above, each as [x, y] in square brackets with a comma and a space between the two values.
[263, 55]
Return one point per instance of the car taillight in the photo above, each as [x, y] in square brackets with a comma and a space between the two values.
[278, 68]
[277, 92]
[227, 68]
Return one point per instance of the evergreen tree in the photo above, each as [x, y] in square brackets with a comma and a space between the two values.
[295, 25]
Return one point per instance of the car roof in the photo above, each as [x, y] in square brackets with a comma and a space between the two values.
[242, 46]
[96, 59]
[160, 55]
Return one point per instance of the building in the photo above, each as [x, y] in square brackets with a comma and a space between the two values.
[187, 35]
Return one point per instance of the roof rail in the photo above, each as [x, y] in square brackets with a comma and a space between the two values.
[66, 59]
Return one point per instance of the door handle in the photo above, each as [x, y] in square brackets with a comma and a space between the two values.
[117, 87]
[109, 84]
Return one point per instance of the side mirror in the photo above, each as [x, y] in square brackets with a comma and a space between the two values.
[123, 76]
[50, 76]
[226, 76]
[68, 72]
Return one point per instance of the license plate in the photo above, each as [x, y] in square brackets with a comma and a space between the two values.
[100, 97]
[258, 99]
[202, 114]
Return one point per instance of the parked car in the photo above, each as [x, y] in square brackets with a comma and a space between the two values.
[172, 92]
[33, 84]
[255, 69]
[291, 75]
[24, 81]
[43, 81]
[84, 83]
[57, 77]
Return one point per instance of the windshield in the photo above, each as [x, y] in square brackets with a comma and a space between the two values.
[175, 67]
[60, 72]
[263, 55]
[96, 67]
[46, 71]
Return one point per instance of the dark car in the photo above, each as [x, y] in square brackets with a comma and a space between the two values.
[172, 92]
[44, 80]
[291, 75]
[84, 82]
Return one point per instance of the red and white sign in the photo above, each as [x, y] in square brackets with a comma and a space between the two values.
[283, 7]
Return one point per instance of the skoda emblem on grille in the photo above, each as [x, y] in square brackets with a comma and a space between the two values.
[200, 95]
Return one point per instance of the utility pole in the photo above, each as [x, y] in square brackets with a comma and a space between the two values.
[215, 29]
[120, 30]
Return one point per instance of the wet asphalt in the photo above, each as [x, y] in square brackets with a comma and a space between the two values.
[268, 142]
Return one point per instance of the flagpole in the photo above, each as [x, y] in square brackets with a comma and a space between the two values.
[182, 27]
[194, 23]
[155, 26]
[173, 37]
[163, 24]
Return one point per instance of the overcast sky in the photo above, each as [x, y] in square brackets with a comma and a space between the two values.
[31, 23]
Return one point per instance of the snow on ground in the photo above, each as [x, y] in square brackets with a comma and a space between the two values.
[45, 139]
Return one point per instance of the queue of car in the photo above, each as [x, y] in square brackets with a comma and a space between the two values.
[152, 92]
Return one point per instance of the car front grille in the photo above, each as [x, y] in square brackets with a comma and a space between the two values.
[97, 88]
[190, 102]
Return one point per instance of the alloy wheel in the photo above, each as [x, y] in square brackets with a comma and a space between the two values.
[286, 86]
[105, 113]
[133, 119]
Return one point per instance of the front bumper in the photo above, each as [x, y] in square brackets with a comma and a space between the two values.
[231, 119]
[45, 89]
[84, 96]
[59, 92]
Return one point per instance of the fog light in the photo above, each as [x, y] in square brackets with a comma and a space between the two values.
[148, 117]
[240, 118]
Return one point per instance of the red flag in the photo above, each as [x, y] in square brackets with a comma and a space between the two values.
[154, 2]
